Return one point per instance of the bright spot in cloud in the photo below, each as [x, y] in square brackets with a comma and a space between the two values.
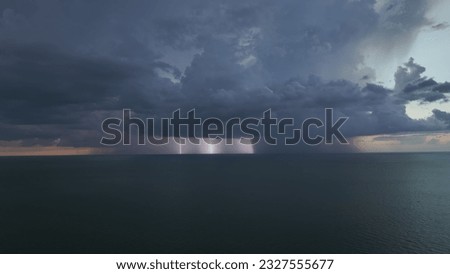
[417, 110]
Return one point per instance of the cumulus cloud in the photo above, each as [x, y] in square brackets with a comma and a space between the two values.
[413, 86]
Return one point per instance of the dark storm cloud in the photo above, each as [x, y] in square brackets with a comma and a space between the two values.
[442, 116]
[443, 88]
[49, 93]
[67, 65]
[420, 85]
[57, 87]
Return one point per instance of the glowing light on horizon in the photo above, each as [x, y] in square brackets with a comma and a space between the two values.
[207, 148]
[407, 142]
[211, 149]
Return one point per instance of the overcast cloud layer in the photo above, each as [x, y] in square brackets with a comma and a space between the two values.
[67, 65]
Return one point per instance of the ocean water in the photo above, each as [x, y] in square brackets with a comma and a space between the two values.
[312, 203]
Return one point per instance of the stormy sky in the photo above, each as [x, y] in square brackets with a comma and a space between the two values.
[65, 66]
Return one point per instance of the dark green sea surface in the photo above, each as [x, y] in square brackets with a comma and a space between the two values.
[311, 203]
